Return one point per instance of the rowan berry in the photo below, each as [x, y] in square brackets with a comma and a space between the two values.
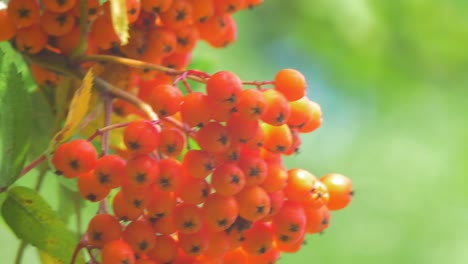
[139, 235]
[165, 100]
[186, 39]
[276, 178]
[340, 190]
[251, 104]
[102, 229]
[228, 179]
[315, 121]
[138, 195]
[241, 128]
[179, 14]
[194, 244]
[80, 156]
[102, 31]
[161, 42]
[161, 204]
[202, 10]
[254, 203]
[57, 24]
[300, 185]
[301, 112]
[187, 218]
[110, 170]
[8, 30]
[219, 245]
[142, 170]
[213, 137]
[141, 137]
[289, 223]
[117, 252]
[177, 61]
[198, 163]
[291, 83]
[125, 210]
[165, 225]
[277, 138]
[31, 39]
[254, 168]
[228, 36]
[156, 6]
[228, 6]
[172, 142]
[58, 6]
[193, 191]
[220, 211]
[276, 201]
[165, 250]
[24, 13]
[317, 219]
[89, 187]
[169, 176]
[277, 110]
[44, 77]
[195, 109]
[224, 87]
[258, 239]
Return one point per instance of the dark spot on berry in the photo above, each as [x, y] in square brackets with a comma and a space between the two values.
[92, 197]
[23, 12]
[97, 236]
[133, 145]
[180, 15]
[143, 245]
[74, 164]
[294, 228]
[140, 177]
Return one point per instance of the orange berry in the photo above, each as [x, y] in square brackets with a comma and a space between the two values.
[8, 26]
[291, 83]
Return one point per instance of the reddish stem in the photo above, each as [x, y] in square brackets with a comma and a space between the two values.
[258, 84]
[33, 164]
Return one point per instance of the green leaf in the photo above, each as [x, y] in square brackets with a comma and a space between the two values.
[15, 122]
[34, 221]
[120, 20]
[42, 125]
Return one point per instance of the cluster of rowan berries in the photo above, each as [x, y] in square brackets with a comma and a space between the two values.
[162, 32]
[224, 196]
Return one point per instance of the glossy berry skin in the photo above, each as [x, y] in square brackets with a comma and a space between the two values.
[141, 137]
[102, 229]
[80, 156]
[224, 87]
[117, 252]
[340, 190]
[291, 83]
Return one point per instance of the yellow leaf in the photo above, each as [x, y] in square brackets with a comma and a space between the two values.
[120, 20]
[78, 108]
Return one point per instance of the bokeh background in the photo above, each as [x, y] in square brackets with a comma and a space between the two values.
[392, 80]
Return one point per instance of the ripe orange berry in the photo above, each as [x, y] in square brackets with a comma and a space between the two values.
[165, 99]
[103, 33]
[139, 235]
[161, 42]
[8, 26]
[172, 142]
[117, 251]
[179, 14]
[228, 36]
[31, 39]
[195, 109]
[193, 191]
[277, 110]
[258, 239]
[300, 186]
[251, 103]
[219, 245]
[254, 167]
[228, 179]
[80, 156]
[57, 24]
[219, 211]
[254, 203]
[165, 250]
[164, 225]
[24, 13]
[301, 112]
[241, 128]
[161, 204]
[276, 178]
[340, 190]
[125, 210]
[213, 137]
[198, 163]
[169, 176]
[59, 6]
[186, 38]
[228, 6]
[102, 229]
[317, 219]
[187, 218]
[315, 121]
[291, 83]
[142, 170]
[289, 223]
[43, 76]
[277, 138]
[141, 137]
[156, 6]
[89, 187]
[202, 10]
[110, 170]
[224, 87]
[194, 244]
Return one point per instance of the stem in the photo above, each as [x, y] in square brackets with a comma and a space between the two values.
[20, 252]
[258, 84]
[33, 164]
[83, 39]
[102, 206]
[107, 122]
[107, 128]
[40, 178]
[192, 74]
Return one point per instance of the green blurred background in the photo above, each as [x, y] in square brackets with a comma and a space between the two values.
[392, 80]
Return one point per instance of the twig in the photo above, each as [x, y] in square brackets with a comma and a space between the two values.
[20, 252]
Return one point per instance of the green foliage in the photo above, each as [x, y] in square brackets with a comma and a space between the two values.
[15, 121]
[34, 221]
